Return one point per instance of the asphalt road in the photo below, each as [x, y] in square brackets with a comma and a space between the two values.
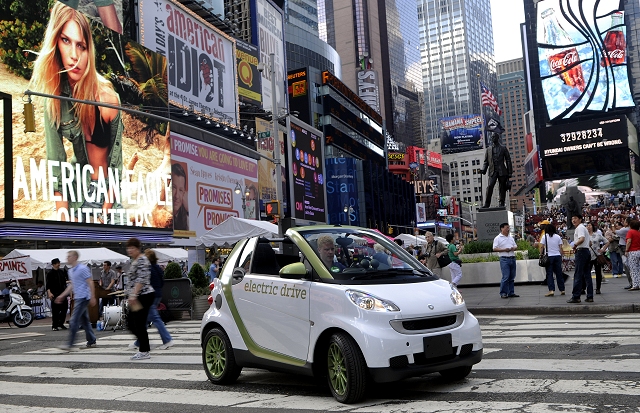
[577, 363]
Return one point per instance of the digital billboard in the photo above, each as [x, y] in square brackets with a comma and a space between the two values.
[86, 163]
[582, 51]
[461, 133]
[201, 58]
[342, 189]
[306, 172]
[249, 86]
[267, 169]
[203, 181]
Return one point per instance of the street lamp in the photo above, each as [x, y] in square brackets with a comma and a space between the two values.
[415, 231]
[276, 137]
[245, 195]
[348, 209]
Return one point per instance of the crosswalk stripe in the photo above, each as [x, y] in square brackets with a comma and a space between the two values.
[560, 333]
[583, 340]
[433, 406]
[87, 357]
[19, 335]
[32, 409]
[559, 365]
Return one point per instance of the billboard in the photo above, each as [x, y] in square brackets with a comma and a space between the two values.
[342, 189]
[91, 164]
[266, 168]
[268, 34]
[582, 51]
[203, 180]
[108, 12]
[298, 91]
[434, 160]
[461, 133]
[201, 59]
[585, 136]
[249, 86]
[306, 172]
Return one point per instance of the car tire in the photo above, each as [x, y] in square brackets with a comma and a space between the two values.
[457, 373]
[218, 359]
[346, 369]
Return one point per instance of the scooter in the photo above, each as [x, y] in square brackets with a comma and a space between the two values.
[16, 310]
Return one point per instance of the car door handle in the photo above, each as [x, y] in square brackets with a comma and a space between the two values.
[237, 276]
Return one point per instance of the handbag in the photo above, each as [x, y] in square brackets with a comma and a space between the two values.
[600, 259]
[444, 260]
[543, 261]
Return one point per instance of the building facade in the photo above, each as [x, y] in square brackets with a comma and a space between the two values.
[456, 45]
[379, 47]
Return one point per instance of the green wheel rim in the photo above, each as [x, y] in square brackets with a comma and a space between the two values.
[337, 370]
[216, 356]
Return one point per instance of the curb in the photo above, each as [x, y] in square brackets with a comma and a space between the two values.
[558, 310]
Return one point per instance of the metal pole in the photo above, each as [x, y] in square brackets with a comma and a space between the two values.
[276, 137]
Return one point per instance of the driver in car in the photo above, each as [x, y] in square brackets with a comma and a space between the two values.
[327, 252]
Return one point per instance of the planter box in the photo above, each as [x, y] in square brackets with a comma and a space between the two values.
[489, 272]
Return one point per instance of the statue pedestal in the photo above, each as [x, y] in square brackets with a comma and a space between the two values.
[488, 222]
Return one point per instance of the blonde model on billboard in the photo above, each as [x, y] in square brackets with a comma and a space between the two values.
[66, 67]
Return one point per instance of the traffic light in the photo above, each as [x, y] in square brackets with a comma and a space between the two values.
[272, 208]
[29, 117]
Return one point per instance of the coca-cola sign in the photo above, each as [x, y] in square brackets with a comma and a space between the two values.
[582, 57]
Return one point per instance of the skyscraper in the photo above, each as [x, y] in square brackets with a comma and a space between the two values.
[379, 47]
[456, 40]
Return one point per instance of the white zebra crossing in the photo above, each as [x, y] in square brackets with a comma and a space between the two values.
[473, 395]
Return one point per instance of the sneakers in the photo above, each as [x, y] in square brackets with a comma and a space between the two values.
[92, 345]
[66, 347]
[141, 355]
[54, 329]
[132, 346]
[588, 300]
[561, 292]
[615, 276]
[549, 294]
[166, 345]
[62, 328]
[574, 301]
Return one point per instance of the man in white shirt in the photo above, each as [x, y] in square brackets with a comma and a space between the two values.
[505, 246]
[582, 274]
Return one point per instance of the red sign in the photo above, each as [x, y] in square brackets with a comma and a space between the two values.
[434, 159]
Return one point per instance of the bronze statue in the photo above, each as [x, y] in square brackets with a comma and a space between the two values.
[572, 209]
[498, 162]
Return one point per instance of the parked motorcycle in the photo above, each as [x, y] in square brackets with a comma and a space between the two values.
[15, 310]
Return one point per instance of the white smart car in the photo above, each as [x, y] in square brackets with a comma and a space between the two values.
[344, 303]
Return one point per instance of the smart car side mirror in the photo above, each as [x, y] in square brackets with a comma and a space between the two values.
[294, 271]
[237, 275]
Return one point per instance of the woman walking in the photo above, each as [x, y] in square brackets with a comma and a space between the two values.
[141, 295]
[633, 254]
[553, 243]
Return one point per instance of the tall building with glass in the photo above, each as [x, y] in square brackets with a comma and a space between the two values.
[456, 44]
[379, 46]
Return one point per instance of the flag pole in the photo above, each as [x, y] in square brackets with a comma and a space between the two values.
[481, 113]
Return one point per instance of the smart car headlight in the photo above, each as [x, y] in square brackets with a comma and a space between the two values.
[370, 302]
[456, 297]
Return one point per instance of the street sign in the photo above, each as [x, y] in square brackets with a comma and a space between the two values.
[518, 220]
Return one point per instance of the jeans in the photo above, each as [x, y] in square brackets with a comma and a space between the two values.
[80, 316]
[582, 274]
[508, 269]
[138, 321]
[616, 263]
[555, 267]
[154, 317]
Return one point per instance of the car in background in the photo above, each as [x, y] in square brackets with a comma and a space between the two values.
[327, 304]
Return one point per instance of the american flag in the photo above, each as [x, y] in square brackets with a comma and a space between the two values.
[489, 100]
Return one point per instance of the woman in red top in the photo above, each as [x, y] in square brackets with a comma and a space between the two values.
[633, 254]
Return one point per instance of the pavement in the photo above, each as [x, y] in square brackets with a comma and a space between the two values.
[486, 300]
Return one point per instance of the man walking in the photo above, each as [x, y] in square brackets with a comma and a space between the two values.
[83, 295]
[505, 246]
[582, 274]
[56, 284]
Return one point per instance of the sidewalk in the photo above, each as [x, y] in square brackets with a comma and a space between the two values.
[614, 299]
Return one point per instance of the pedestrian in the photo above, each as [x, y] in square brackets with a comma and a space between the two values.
[81, 284]
[214, 268]
[505, 246]
[582, 272]
[595, 238]
[614, 250]
[141, 296]
[553, 243]
[157, 282]
[622, 232]
[433, 250]
[57, 280]
[633, 254]
[455, 268]
[107, 281]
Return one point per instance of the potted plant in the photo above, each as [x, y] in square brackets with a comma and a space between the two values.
[174, 288]
[199, 290]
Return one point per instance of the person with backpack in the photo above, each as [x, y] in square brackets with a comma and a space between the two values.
[157, 282]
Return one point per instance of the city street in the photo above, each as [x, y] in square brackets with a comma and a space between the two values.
[532, 364]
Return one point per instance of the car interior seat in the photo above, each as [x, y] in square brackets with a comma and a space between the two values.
[264, 260]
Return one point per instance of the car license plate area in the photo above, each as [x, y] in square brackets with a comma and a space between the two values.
[437, 346]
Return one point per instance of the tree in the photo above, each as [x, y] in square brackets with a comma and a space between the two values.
[549, 196]
[172, 271]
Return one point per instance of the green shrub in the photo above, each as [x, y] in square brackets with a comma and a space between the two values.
[199, 291]
[197, 277]
[523, 245]
[489, 258]
[15, 38]
[478, 247]
[172, 271]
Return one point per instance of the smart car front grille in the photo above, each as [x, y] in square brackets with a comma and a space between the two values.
[428, 324]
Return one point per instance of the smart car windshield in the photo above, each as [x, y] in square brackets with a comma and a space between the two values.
[360, 254]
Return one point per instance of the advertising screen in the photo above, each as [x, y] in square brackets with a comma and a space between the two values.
[461, 133]
[266, 168]
[202, 64]
[306, 171]
[342, 189]
[91, 164]
[586, 136]
[582, 50]
[249, 86]
[268, 34]
[204, 180]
